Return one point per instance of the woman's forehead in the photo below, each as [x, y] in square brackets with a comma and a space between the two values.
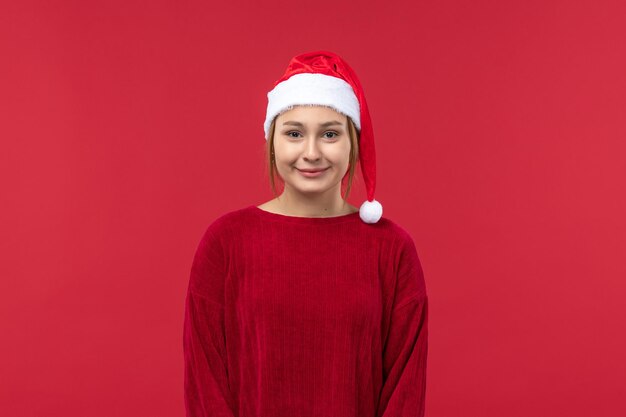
[312, 110]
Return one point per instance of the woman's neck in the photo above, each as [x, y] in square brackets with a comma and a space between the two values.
[308, 207]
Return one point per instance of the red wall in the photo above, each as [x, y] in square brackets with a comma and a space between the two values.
[128, 126]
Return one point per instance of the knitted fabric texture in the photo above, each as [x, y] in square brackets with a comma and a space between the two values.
[303, 316]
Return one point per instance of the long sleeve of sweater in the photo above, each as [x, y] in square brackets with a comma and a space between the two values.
[206, 370]
[405, 353]
[311, 317]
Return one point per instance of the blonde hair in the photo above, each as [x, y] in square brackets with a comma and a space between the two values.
[353, 134]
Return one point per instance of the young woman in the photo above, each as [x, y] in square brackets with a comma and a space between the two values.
[306, 305]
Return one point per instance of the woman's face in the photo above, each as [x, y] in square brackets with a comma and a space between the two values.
[312, 138]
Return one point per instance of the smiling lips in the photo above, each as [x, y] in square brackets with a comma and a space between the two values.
[312, 172]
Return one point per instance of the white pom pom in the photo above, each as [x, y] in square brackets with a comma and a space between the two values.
[371, 211]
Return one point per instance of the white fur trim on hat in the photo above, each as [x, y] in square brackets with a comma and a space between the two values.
[312, 88]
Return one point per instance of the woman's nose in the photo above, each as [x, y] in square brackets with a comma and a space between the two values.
[311, 151]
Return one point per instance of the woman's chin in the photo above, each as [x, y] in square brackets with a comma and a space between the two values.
[309, 187]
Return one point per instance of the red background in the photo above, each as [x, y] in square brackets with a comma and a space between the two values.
[128, 126]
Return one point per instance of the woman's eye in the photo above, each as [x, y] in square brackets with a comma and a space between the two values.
[296, 134]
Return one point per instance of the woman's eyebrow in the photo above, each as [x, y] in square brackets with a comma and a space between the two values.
[326, 124]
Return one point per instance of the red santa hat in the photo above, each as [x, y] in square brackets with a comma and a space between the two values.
[324, 78]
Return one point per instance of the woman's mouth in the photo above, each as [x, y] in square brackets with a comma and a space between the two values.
[310, 173]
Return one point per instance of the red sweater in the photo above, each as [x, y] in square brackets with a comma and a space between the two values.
[305, 317]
